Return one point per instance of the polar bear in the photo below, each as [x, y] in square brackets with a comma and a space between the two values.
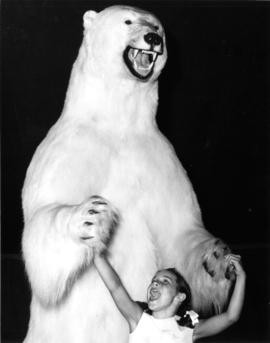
[107, 143]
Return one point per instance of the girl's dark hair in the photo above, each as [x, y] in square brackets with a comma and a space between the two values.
[182, 287]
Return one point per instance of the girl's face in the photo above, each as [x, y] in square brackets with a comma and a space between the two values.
[162, 291]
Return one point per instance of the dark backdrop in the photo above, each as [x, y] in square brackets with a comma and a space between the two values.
[213, 108]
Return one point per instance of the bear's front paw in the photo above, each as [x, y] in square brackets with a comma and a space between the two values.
[93, 222]
[214, 261]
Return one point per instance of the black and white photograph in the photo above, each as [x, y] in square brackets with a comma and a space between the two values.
[135, 171]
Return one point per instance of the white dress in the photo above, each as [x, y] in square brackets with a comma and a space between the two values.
[152, 330]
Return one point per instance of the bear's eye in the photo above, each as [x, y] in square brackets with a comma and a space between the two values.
[128, 22]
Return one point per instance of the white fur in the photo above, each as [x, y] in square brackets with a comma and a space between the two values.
[106, 142]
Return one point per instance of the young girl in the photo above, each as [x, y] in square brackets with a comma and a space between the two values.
[166, 318]
[168, 295]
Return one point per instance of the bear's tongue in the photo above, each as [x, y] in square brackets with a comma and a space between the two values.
[142, 60]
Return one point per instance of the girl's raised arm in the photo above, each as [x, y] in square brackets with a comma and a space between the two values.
[220, 322]
[129, 308]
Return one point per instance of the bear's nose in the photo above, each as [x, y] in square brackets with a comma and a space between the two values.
[153, 38]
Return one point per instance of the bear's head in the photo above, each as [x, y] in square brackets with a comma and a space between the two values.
[125, 42]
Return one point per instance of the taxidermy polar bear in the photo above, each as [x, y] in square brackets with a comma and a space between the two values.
[107, 143]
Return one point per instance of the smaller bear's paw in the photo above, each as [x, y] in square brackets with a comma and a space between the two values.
[94, 221]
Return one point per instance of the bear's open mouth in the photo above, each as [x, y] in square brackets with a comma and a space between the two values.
[140, 62]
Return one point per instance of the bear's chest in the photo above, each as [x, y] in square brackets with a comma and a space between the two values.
[146, 178]
[136, 171]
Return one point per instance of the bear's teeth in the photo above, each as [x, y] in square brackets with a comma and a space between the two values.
[135, 53]
[153, 53]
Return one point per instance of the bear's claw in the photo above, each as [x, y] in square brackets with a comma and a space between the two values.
[88, 223]
[215, 264]
[92, 211]
[93, 222]
[99, 203]
[208, 270]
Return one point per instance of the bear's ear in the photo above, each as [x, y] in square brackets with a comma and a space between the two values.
[88, 18]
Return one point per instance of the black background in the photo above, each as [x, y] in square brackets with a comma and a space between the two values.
[213, 108]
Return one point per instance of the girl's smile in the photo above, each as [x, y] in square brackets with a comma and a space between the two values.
[162, 290]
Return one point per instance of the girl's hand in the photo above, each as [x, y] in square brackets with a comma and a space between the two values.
[235, 261]
[220, 322]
